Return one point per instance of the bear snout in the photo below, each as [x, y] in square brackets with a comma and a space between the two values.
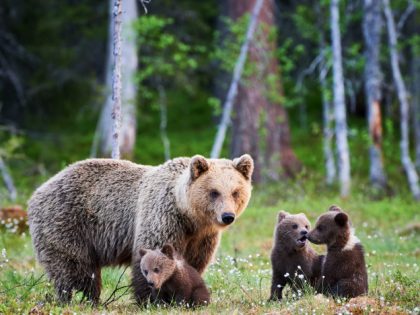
[228, 217]
[150, 284]
[303, 232]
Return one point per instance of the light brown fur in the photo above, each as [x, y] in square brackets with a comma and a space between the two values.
[100, 212]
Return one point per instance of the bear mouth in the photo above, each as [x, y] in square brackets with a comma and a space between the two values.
[301, 241]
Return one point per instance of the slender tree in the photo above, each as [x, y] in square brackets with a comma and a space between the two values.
[372, 26]
[233, 89]
[339, 103]
[415, 68]
[8, 180]
[327, 117]
[403, 99]
[102, 145]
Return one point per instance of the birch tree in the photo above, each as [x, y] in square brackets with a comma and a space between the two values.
[372, 26]
[403, 100]
[102, 145]
[339, 103]
[327, 117]
[233, 89]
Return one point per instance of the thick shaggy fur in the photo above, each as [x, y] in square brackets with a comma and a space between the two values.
[100, 212]
[293, 260]
[172, 279]
[344, 270]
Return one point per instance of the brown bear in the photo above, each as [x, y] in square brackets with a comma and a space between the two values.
[293, 260]
[171, 278]
[100, 212]
[344, 270]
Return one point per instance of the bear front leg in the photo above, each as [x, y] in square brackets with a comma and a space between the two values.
[200, 296]
[142, 291]
[200, 251]
[277, 285]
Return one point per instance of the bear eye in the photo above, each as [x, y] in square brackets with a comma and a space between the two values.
[235, 194]
[156, 270]
[214, 194]
[145, 272]
[306, 227]
[294, 226]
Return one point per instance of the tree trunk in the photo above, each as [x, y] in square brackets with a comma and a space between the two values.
[404, 107]
[372, 27]
[103, 137]
[339, 103]
[233, 89]
[328, 118]
[415, 68]
[8, 180]
[163, 106]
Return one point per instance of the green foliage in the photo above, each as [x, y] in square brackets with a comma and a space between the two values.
[164, 57]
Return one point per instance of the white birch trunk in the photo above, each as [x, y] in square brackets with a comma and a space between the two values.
[328, 118]
[339, 103]
[415, 68]
[233, 89]
[163, 106]
[404, 107]
[129, 62]
[372, 27]
[116, 80]
[8, 180]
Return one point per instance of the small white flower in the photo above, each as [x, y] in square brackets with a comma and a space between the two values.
[278, 286]
[3, 253]
[300, 276]
[299, 267]
[286, 275]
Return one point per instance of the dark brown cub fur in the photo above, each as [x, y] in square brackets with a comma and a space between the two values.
[171, 278]
[292, 258]
[344, 270]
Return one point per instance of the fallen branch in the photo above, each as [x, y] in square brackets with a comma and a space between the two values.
[112, 298]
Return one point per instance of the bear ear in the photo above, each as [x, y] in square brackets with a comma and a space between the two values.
[198, 166]
[282, 215]
[341, 219]
[244, 165]
[168, 251]
[142, 252]
[334, 208]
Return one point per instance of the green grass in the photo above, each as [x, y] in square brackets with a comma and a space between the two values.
[240, 278]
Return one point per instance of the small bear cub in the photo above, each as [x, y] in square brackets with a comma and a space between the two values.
[344, 270]
[171, 278]
[292, 258]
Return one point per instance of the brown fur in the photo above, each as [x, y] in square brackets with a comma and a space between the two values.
[172, 279]
[100, 212]
[344, 270]
[291, 250]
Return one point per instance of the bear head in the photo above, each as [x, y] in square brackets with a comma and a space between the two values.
[331, 228]
[291, 230]
[215, 191]
[157, 266]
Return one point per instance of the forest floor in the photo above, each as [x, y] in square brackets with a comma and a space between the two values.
[240, 278]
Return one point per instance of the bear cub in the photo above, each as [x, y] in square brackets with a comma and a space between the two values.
[344, 270]
[171, 278]
[293, 260]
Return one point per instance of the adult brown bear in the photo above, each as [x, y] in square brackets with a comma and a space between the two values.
[100, 212]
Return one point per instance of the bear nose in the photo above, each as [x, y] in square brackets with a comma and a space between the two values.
[304, 232]
[228, 218]
[150, 283]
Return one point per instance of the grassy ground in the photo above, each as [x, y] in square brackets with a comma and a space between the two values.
[240, 278]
